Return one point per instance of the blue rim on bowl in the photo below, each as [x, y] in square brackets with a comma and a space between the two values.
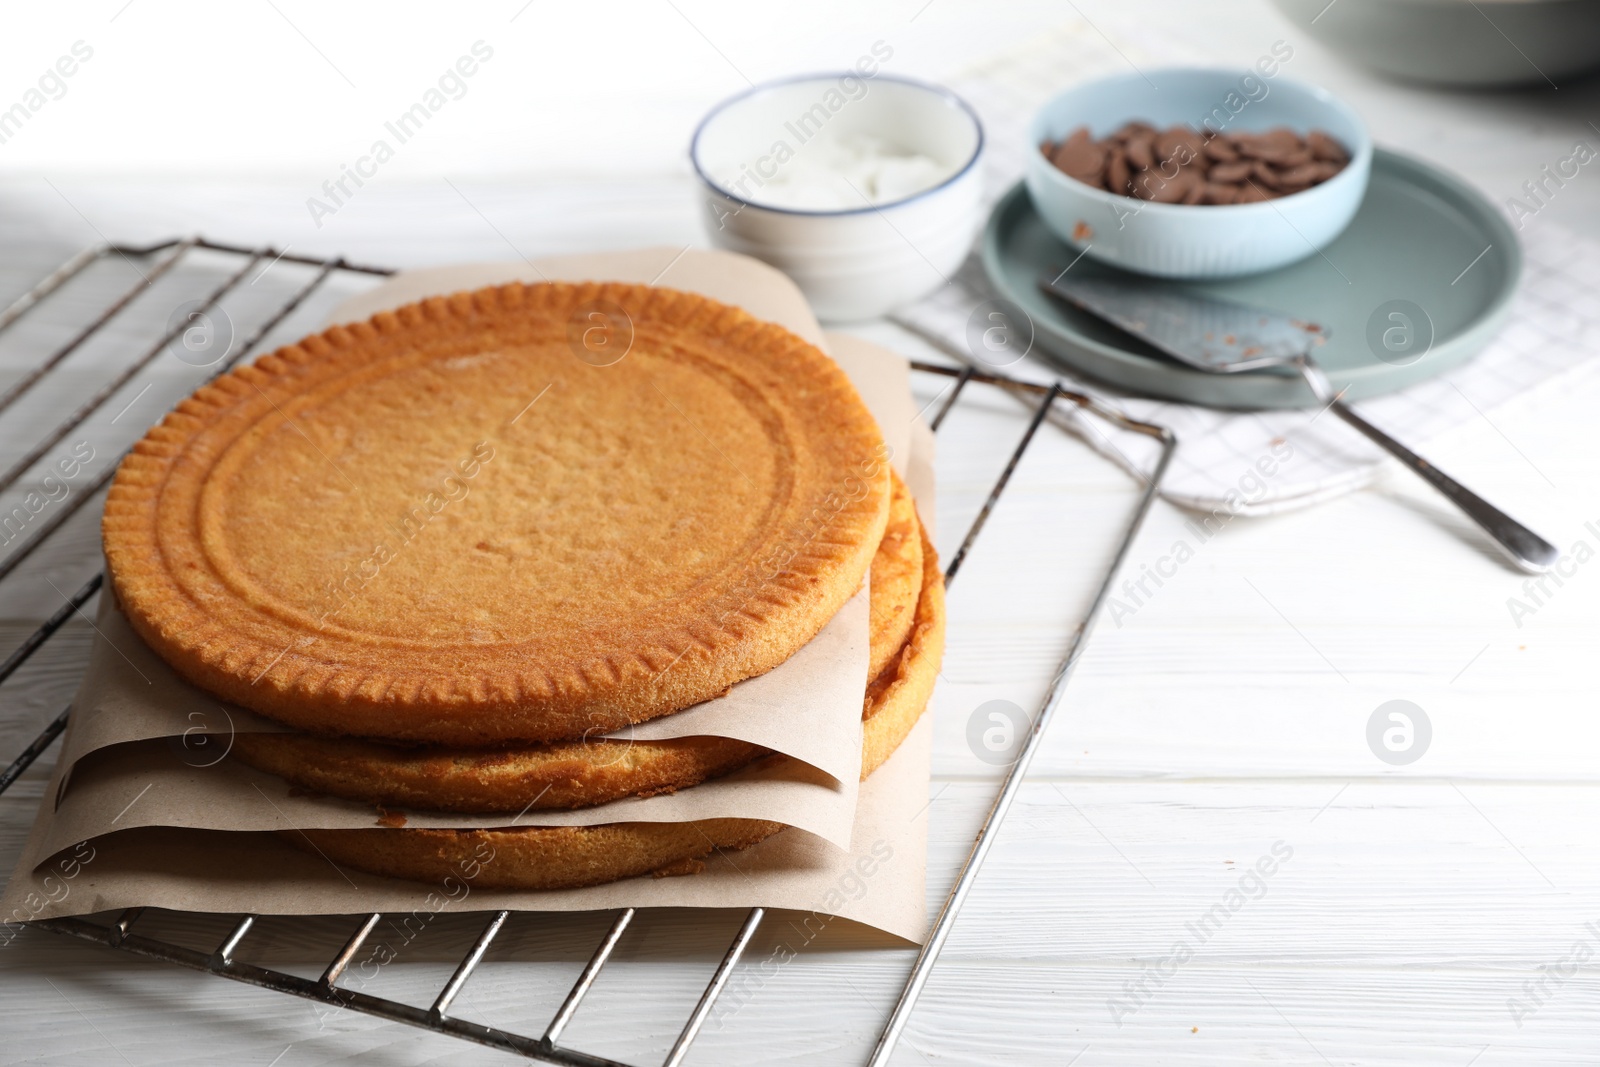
[937, 90]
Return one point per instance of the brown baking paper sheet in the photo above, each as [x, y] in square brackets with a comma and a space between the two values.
[129, 694]
[179, 782]
[879, 882]
[190, 868]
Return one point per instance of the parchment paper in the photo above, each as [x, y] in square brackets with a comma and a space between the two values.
[879, 881]
[129, 694]
[177, 782]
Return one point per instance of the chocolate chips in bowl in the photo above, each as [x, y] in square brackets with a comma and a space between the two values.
[1122, 192]
[1181, 165]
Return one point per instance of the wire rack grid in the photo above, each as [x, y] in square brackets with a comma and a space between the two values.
[1059, 405]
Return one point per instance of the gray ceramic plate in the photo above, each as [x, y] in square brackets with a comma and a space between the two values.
[1424, 247]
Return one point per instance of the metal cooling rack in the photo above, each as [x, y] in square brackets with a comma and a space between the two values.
[1043, 400]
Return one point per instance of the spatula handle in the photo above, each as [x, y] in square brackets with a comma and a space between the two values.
[1524, 547]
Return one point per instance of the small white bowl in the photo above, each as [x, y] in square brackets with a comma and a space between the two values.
[1197, 241]
[854, 262]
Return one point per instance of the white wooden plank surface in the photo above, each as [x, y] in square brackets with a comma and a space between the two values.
[1227, 714]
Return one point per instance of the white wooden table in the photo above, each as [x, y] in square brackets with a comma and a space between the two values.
[1445, 913]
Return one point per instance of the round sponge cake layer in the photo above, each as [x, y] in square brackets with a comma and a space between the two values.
[575, 774]
[450, 524]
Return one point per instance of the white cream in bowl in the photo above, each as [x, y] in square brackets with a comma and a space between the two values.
[840, 173]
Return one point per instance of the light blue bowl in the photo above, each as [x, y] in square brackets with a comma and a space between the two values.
[1197, 241]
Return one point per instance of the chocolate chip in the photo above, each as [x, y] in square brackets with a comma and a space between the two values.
[1081, 158]
[1179, 142]
[1279, 157]
[1182, 156]
[1118, 180]
[1141, 153]
[1132, 130]
[1253, 148]
[1281, 137]
[1182, 184]
[1162, 189]
[1182, 165]
[1305, 174]
[1264, 174]
[1231, 172]
[1079, 136]
[1326, 148]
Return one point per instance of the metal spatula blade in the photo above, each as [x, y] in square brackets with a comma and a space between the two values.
[1225, 338]
[1211, 334]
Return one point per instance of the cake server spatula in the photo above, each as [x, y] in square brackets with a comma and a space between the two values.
[1226, 338]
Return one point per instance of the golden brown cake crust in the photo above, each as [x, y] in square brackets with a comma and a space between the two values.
[442, 525]
[896, 578]
[546, 857]
[572, 856]
[561, 774]
[898, 697]
[574, 774]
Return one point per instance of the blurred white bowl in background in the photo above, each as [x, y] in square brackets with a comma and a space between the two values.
[855, 258]
[1457, 42]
